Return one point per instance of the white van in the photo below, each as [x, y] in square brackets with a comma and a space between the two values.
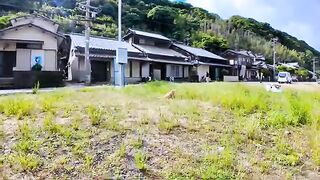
[284, 77]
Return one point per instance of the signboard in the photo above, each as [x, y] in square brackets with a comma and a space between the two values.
[122, 56]
[37, 62]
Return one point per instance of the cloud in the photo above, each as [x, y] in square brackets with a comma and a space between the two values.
[227, 8]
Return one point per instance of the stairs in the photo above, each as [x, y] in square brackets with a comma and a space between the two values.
[6, 82]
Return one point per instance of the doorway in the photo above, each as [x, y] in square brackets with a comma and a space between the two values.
[7, 62]
[100, 71]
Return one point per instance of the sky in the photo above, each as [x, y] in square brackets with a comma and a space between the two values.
[300, 18]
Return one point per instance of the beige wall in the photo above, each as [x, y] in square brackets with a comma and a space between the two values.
[50, 26]
[202, 71]
[7, 46]
[33, 34]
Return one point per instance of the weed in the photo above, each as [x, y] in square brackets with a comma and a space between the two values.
[95, 115]
[50, 125]
[140, 161]
[137, 143]
[166, 124]
[122, 151]
[18, 107]
[88, 160]
[25, 130]
[36, 87]
[76, 122]
[285, 154]
[26, 162]
[48, 105]
[27, 146]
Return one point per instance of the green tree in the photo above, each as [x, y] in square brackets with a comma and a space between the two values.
[209, 42]
[161, 19]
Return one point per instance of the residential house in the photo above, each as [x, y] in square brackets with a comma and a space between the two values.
[245, 64]
[29, 52]
[149, 56]
[204, 62]
[163, 62]
[102, 55]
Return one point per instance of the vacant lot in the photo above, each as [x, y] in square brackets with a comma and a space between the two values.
[209, 131]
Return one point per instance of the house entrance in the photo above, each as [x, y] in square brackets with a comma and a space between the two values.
[100, 71]
[7, 62]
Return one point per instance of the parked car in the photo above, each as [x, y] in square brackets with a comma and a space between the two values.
[284, 77]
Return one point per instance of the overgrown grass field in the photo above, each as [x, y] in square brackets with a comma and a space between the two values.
[209, 131]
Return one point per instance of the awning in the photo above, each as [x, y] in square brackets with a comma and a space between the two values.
[169, 62]
[215, 64]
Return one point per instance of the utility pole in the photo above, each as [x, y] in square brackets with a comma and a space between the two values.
[274, 43]
[314, 68]
[119, 19]
[87, 53]
[90, 12]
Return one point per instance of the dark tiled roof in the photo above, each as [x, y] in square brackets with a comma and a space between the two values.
[159, 51]
[101, 43]
[199, 52]
[148, 34]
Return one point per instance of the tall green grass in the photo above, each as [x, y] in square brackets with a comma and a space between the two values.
[290, 108]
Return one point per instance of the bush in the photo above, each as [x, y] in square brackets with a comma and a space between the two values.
[18, 107]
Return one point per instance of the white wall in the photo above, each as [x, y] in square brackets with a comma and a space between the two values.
[50, 63]
[23, 61]
[202, 71]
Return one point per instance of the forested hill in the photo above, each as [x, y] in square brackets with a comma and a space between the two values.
[176, 20]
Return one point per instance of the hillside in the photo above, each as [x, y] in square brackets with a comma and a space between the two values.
[176, 20]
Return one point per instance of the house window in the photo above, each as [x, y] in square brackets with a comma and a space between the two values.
[29, 46]
[175, 71]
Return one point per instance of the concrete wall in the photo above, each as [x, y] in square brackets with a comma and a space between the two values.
[202, 71]
[50, 26]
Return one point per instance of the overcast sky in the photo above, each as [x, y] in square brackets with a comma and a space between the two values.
[300, 18]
